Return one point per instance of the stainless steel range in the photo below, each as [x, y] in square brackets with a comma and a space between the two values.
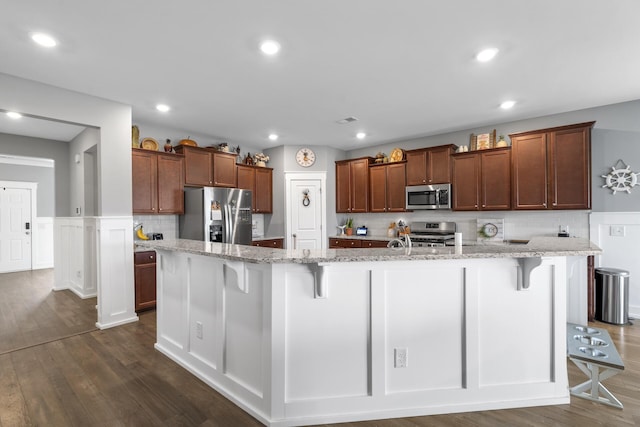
[433, 234]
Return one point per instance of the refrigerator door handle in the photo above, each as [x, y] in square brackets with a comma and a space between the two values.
[227, 224]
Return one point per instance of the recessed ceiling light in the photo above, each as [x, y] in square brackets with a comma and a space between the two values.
[507, 104]
[361, 135]
[487, 54]
[163, 107]
[44, 39]
[273, 137]
[14, 115]
[270, 47]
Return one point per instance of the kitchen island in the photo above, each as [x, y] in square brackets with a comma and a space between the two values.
[299, 337]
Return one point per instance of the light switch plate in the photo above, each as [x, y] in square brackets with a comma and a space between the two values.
[616, 230]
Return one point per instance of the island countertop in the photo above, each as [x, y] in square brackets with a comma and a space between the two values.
[537, 247]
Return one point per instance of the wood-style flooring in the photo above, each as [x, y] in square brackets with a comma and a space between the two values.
[32, 313]
[116, 378]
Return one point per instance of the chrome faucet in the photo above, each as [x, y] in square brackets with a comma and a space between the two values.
[403, 241]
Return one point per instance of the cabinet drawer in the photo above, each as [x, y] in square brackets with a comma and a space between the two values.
[146, 257]
[271, 243]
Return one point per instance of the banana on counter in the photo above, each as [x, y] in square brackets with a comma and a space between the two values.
[140, 233]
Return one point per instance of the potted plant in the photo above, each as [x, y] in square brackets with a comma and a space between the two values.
[348, 226]
[261, 159]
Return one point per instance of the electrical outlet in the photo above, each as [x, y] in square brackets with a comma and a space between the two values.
[616, 230]
[199, 330]
[401, 357]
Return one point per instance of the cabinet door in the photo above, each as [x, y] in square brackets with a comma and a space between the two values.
[224, 170]
[378, 188]
[170, 188]
[145, 280]
[466, 177]
[264, 190]
[495, 170]
[417, 167]
[343, 187]
[144, 173]
[359, 174]
[197, 166]
[570, 169]
[245, 179]
[395, 187]
[439, 165]
[529, 168]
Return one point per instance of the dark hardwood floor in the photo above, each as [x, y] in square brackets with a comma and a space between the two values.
[116, 378]
[32, 313]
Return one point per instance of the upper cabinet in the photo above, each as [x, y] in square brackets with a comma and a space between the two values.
[206, 167]
[551, 168]
[157, 182]
[482, 180]
[429, 165]
[259, 181]
[352, 185]
[387, 187]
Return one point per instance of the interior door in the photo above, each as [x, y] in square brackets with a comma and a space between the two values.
[15, 229]
[306, 214]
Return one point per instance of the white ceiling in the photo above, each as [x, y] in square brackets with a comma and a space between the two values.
[405, 68]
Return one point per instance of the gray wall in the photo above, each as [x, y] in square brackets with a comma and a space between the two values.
[53, 184]
[615, 136]
[86, 141]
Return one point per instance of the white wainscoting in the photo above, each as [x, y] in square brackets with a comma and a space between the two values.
[114, 271]
[42, 245]
[94, 257]
[619, 251]
[69, 254]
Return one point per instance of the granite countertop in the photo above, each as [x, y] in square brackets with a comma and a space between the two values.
[259, 239]
[356, 237]
[537, 247]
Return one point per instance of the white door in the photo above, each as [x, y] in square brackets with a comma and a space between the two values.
[15, 229]
[306, 212]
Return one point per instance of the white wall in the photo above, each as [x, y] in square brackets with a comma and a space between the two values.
[620, 251]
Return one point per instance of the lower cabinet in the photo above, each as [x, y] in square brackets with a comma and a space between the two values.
[336, 242]
[269, 243]
[145, 279]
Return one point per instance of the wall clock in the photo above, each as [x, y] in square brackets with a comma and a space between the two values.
[489, 230]
[305, 157]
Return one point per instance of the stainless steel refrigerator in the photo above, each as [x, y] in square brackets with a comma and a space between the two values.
[217, 215]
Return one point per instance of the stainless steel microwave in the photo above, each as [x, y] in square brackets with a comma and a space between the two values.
[436, 196]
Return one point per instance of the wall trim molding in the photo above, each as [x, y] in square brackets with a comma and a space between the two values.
[26, 161]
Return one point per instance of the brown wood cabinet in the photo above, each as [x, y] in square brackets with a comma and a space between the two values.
[157, 182]
[145, 280]
[269, 243]
[429, 165]
[482, 180]
[260, 181]
[208, 167]
[551, 168]
[336, 243]
[352, 185]
[387, 187]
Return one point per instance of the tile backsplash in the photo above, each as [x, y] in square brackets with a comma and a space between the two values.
[165, 224]
[517, 225]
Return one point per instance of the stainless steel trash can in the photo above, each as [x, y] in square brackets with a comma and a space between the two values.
[612, 295]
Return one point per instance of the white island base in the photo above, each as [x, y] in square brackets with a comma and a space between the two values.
[299, 344]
